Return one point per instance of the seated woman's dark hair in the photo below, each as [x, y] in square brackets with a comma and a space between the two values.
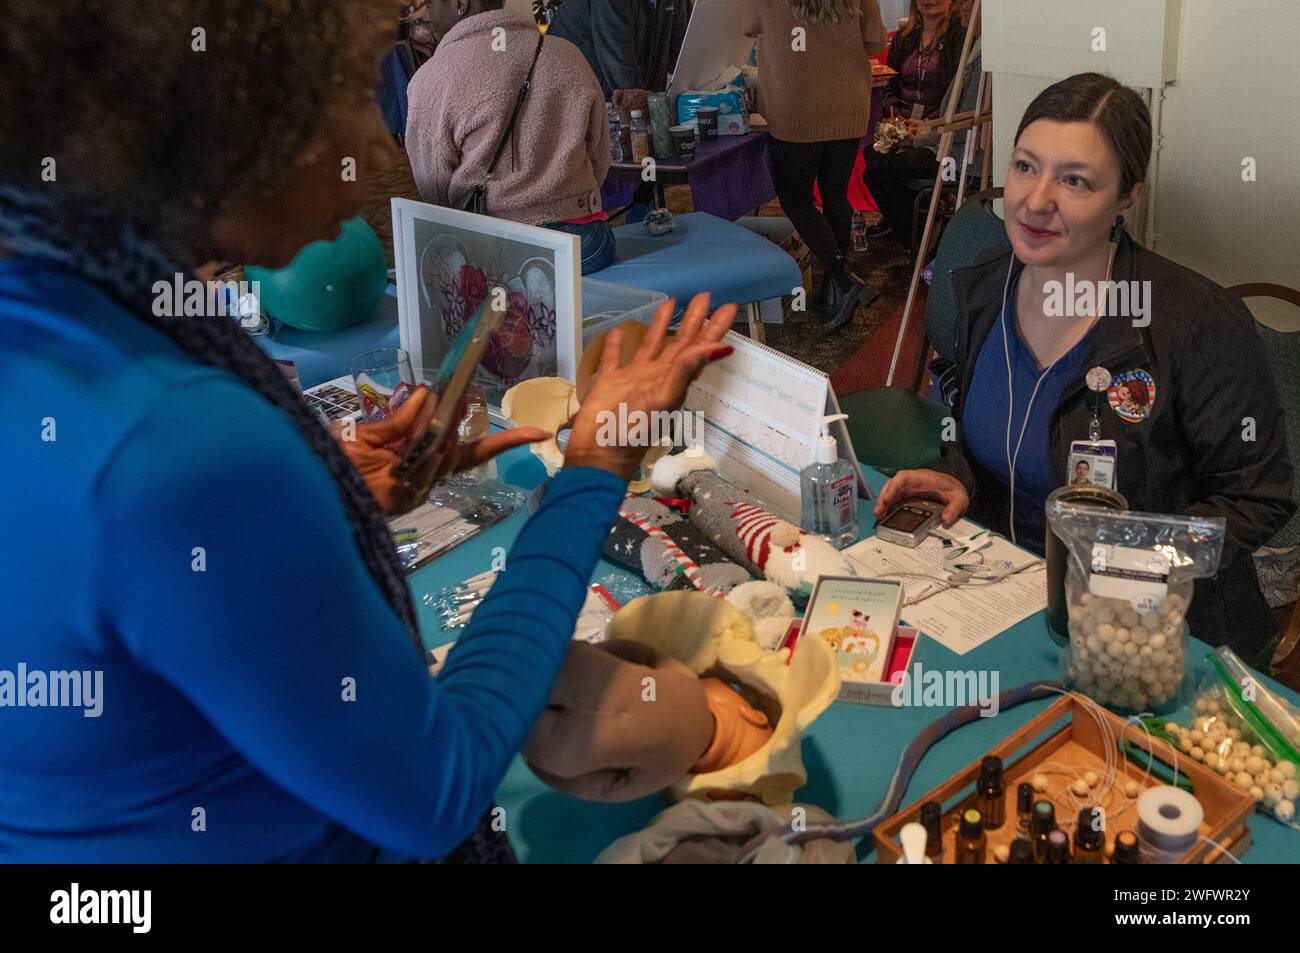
[158, 114]
[1118, 112]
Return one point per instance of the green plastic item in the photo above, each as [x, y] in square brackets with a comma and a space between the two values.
[893, 429]
[328, 286]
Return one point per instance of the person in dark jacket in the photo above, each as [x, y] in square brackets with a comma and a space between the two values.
[924, 55]
[888, 176]
[630, 44]
[1192, 405]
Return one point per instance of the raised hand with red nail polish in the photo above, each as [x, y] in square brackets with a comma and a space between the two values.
[655, 380]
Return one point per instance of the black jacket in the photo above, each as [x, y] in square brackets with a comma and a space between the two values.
[629, 44]
[903, 46]
[1192, 454]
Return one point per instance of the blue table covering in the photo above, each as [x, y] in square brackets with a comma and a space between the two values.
[728, 177]
[703, 253]
[850, 753]
[323, 356]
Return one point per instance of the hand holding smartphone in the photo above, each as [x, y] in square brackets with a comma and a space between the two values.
[425, 459]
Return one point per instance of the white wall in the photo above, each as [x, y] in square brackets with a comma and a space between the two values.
[1235, 95]
[891, 11]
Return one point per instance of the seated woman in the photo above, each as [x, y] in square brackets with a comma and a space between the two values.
[460, 104]
[1183, 359]
[887, 174]
[233, 587]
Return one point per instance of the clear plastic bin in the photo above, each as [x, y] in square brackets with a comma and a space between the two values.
[606, 305]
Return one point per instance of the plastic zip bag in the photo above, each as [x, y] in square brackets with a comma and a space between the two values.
[1246, 733]
[1128, 587]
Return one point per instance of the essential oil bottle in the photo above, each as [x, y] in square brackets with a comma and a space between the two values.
[1058, 847]
[972, 845]
[1044, 824]
[932, 821]
[990, 796]
[1022, 852]
[1025, 809]
[1090, 838]
[1126, 849]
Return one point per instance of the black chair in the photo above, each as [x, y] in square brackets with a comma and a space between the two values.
[924, 189]
[1283, 351]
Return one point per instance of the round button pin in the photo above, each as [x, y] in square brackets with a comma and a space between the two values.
[1098, 379]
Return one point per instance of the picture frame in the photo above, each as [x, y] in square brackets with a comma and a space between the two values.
[448, 260]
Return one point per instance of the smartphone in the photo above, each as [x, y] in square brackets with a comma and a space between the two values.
[453, 379]
[910, 522]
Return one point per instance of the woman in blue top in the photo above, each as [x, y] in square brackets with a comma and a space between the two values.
[208, 650]
[1187, 403]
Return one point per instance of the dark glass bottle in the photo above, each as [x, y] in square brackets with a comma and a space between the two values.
[990, 793]
[932, 821]
[1058, 847]
[1022, 852]
[1126, 849]
[971, 842]
[1044, 824]
[1090, 838]
[1025, 809]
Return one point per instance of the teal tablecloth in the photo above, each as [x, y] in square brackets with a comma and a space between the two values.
[850, 753]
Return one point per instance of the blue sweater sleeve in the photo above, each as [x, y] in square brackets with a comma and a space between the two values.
[230, 571]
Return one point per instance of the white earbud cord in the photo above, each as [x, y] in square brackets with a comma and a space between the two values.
[1012, 459]
[1011, 395]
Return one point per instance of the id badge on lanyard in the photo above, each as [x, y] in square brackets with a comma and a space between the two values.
[1094, 461]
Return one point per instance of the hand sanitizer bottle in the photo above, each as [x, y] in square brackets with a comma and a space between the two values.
[829, 491]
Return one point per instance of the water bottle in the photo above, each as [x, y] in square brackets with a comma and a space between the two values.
[859, 231]
[640, 137]
[615, 132]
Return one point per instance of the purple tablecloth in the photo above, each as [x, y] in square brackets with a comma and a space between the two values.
[728, 177]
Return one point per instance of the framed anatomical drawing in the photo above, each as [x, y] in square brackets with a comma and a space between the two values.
[448, 261]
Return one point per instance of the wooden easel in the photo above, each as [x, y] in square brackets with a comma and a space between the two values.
[951, 124]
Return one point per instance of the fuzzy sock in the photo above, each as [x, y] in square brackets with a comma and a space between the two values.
[668, 551]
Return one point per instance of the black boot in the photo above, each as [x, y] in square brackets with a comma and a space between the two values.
[842, 298]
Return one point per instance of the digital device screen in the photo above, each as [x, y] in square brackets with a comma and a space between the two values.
[906, 519]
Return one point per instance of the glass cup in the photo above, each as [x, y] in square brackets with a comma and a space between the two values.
[384, 380]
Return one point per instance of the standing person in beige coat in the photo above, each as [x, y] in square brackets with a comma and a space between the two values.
[815, 91]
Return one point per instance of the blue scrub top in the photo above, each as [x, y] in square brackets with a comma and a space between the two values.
[988, 406]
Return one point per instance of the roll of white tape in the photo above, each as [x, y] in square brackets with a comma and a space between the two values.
[1169, 823]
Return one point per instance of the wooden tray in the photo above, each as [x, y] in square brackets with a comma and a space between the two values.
[1079, 744]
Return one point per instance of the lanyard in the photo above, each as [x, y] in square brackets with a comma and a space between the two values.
[924, 57]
